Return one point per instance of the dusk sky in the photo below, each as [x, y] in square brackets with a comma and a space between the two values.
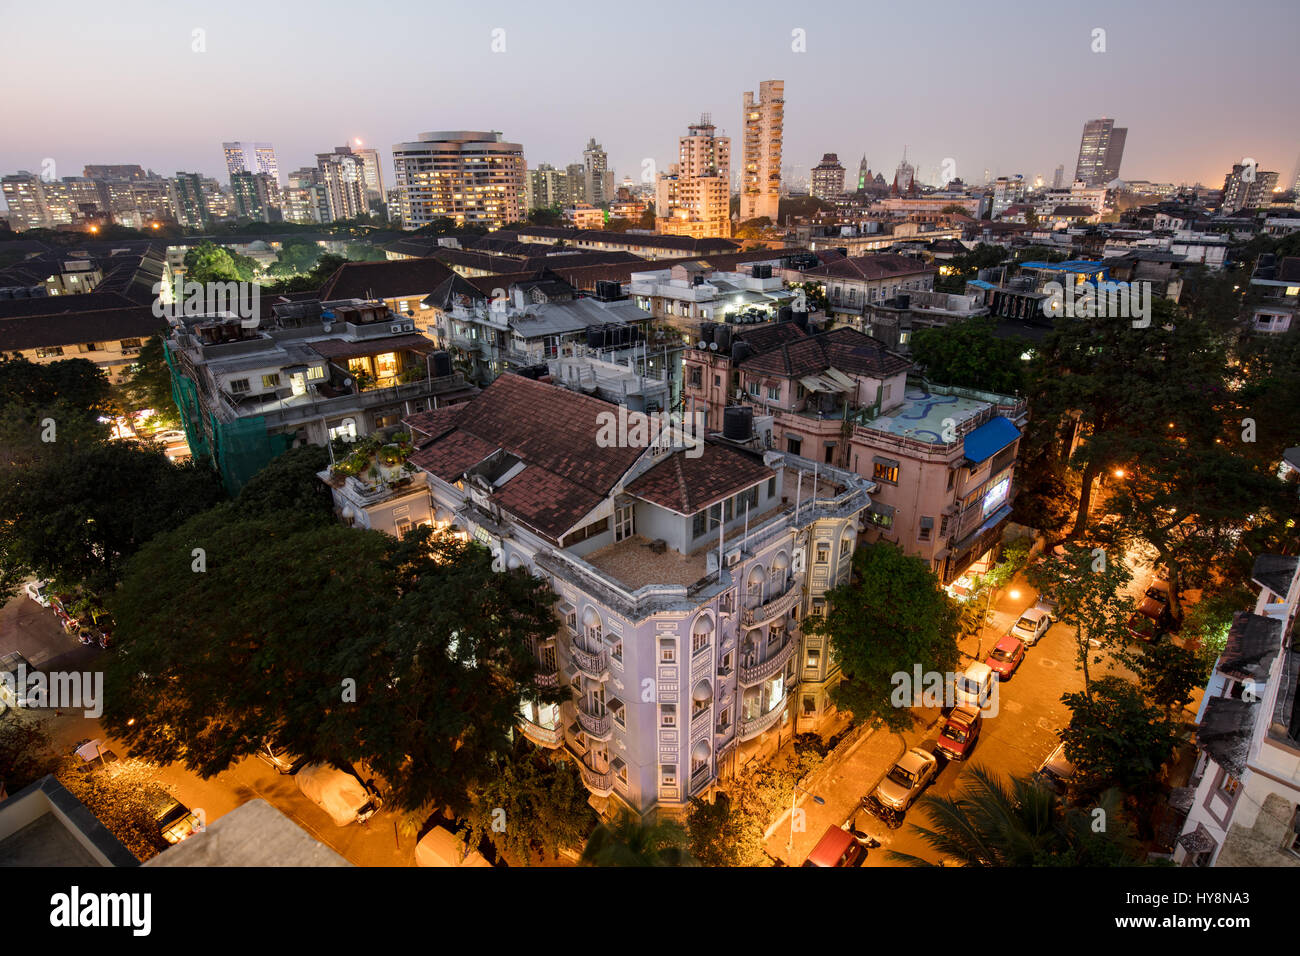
[998, 85]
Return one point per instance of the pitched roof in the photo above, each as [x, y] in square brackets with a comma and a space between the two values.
[686, 485]
[844, 348]
[47, 331]
[384, 280]
[879, 266]
[552, 430]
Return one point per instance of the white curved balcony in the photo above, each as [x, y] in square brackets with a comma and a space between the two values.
[757, 673]
[595, 726]
[548, 737]
[601, 784]
[750, 729]
[775, 607]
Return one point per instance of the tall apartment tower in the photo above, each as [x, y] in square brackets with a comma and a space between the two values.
[1058, 177]
[1247, 187]
[470, 176]
[760, 180]
[190, 200]
[372, 173]
[694, 197]
[828, 178]
[343, 176]
[597, 176]
[1100, 151]
[25, 197]
[251, 158]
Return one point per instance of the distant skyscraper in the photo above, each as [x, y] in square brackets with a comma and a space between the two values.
[342, 173]
[257, 197]
[694, 197]
[1247, 187]
[1058, 177]
[25, 196]
[598, 178]
[760, 174]
[1101, 150]
[189, 200]
[472, 177]
[251, 158]
[828, 178]
[372, 173]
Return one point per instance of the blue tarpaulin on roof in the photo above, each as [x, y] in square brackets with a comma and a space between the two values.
[989, 439]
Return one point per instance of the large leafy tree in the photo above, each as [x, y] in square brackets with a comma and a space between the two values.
[288, 485]
[970, 354]
[889, 618]
[991, 824]
[1088, 584]
[150, 385]
[81, 517]
[1116, 738]
[533, 804]
[208, 262]
[339, 643]
[626, 841]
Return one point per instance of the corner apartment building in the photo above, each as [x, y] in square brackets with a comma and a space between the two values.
[853, 284]
[694, 197]
[681, 583]
[1275, 288]
[309, 372]
[1244, 798]
[828, 178]
[688, 293]
[942, 459]
[469, 176]
[760, 175]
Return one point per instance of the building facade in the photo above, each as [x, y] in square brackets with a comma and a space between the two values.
[1101, 150]
[760, 180]
[470, 177]
[694, 197]
[828, 178]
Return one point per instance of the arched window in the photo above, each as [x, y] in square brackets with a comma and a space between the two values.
[592, 627]
[754, 587]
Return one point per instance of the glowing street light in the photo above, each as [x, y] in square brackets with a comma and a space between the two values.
[1119, 472]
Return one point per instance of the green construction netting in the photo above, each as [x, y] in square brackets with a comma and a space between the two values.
[238, 449]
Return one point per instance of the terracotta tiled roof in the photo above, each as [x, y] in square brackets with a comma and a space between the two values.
[384, 280]
[686, 485]
[435, 422]
[764, 338]
[75, 328]
[340, 348]
[551, 430]
[880, 266]
[845, 349]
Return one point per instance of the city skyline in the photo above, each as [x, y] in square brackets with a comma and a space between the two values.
[823, 88]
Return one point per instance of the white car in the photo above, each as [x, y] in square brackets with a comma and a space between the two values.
[37, 591]
[170, 437]
[1032, 625]
[905, 781]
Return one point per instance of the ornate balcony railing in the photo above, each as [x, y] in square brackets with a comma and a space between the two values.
[757, 673]
[700, 780]
[775, 607]
[595, 725]
[594, 665]
[549, 737]
[601, 784]
[752, 728]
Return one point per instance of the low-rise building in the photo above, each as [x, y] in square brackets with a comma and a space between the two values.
[852, 284]
[1244, 797]
[1276, 294]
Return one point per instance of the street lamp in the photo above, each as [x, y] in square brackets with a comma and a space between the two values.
[789, 846]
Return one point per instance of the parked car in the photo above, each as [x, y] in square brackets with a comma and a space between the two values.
[1056, 772]
[1159, 591]
[15, 671]
[1032, 625]
[905, 781]
[974, 686]
[38, 591]
[441, 847]
[959, 733]
[94, 755]
[1046, 603]
[170, 437]
[177, 822]
[1006, 656]
[279, 759]
[1149, 620]
[840, 846]
[345, 798]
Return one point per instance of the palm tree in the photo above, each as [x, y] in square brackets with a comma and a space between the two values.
[990, 824]
[628, 842]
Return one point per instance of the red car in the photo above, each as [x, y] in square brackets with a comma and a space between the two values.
[959, 733]
[1006, 656]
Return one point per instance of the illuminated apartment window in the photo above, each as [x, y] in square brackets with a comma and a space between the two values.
[271, 381]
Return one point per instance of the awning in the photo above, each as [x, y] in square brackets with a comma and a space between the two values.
[989, 439]
[823, 383]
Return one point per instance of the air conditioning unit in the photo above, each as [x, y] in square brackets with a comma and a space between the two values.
[408, 327]
[734, 556]
[797, 563]
[395, 328]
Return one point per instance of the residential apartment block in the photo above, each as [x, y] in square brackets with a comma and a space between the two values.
[471, 177]
[681, 583]
[760, 174]
[828, 178]
[853, 284]
[694, 197]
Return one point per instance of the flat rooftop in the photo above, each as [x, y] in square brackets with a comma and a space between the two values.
[922, 414]
[634, 565]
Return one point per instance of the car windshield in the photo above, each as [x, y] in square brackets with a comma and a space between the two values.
[902, 776]
[1026, 623]
[969, 686]
[1002, 654]
[958, 734]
